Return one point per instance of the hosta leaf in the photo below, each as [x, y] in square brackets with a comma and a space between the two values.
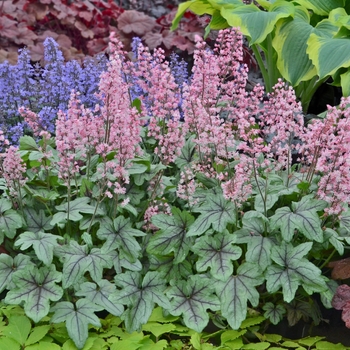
[217, 252]
[237, 290]
[292, 270]
[37, 221]
[303, 218]
[192, 298]
[74, 208]
[120, 235]
[169, 269]
[274, 313]
[77, 260]
[9, 220]
[216, 212]
[172, 236]
[140, 295]
[35, 287]
[42, 242]
[77, 318]
[322, 8]
[99, 293]
[8, 266]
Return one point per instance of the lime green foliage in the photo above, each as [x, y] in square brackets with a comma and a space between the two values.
[159, 333]
[303, 41]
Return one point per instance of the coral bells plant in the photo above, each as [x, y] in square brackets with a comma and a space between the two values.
[189, 193]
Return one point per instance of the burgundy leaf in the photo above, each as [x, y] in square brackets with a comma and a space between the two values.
[341, 298]
[341, 269]
[135, 22]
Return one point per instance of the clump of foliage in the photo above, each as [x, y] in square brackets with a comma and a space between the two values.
[175, 192]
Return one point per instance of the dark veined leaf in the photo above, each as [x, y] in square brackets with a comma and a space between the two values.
[216, 212]
[8, 266]
[119, 264]
[237, 290]
[99, 293]
[169, 269]
[303, 218]
[192, 298]
[35, 287]
[291, 270]
[77, 260]
[37, 221]
[77, 318]
[172, 237]
[10, 221]
[42, 242]
[73, 210]
[217, 252]
[120, 235]
[274, 313]
[140, 295]
[187, 154]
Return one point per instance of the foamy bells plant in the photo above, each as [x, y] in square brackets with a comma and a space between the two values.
[128, 207]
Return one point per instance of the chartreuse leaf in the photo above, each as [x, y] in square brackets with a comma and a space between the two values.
[192, 298]
[217, 252]
[35, 287]
[237, 290]
[140, 295]
[9, 220]
[291, 270]
[99, 293]
[8, 266]
[172, 237]
[77, 260]
[216, 212]
[18, 329]
[255, 23]
[42, 242]
[37, 334]
[37, 221]
[77, 317]
[274, 313]
[73, 210]
[119, 234]
[303, 218]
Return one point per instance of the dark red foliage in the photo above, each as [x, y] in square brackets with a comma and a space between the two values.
[341, 301]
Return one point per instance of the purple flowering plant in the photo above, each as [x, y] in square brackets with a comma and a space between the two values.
[157, 199]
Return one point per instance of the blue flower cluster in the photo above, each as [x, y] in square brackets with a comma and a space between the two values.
[45, 90]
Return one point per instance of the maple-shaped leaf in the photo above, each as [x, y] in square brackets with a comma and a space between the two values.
[192, 298]
[172, 236]
[42, 242]
[73, 210]
[77, 318]
[140, 295]
[120, 235]
[132, 21]
[274, 313]
[303, 217]
[99, 294]
[217, 252]
[216, 212]
[291, 270]
[119, 263]
[340, 269]
[77, 260]
[35, 287]
[8, 266]
[37, 221]
[10, 220]
[237, 290]
[169, 269]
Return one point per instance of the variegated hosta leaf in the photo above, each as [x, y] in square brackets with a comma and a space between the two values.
[217, 252]
[35, 287]
[140, 295]
[8, 266]
[77, 260]
[42, 242]
[292, 270]
[237, 290]
[172, 237]
[120, 235]
[99, 294]
[77, 318]
[192, 298]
